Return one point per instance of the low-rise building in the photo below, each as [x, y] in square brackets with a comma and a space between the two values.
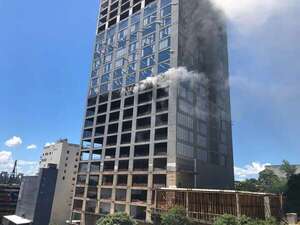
[277, 171]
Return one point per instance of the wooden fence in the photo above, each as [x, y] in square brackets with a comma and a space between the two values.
[206, 205]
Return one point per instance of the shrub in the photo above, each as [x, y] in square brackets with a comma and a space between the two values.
[226, 220]
[116, 219]
[175, 216]
[243, 220]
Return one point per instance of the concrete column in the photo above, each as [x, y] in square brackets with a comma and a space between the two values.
[267, 207]
[238, 208]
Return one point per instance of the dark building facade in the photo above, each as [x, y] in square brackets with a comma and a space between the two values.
[36, 196]
[158, 107]
[8, 199]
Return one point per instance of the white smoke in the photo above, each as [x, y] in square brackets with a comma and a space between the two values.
[172, 75]
[251, 14]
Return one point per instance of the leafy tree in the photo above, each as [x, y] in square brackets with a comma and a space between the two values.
[248, 185]
[288, 169]
[270, 182]
[175, 216]
[116, 219]
[293, 194]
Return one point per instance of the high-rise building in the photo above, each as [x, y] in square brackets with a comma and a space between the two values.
[46, 198]
[66, 157]
[158, 107]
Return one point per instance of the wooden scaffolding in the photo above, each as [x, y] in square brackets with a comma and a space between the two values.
[205, 205]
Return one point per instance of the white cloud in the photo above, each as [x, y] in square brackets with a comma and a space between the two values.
[5, 157]
[249, 171]
[251, 14]
[49, 144]
[23, 166]
[32, 146]
[13, 142]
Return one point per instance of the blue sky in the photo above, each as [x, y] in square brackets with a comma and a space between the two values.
[45, 58]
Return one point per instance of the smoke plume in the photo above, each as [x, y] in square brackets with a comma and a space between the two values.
[251, 14]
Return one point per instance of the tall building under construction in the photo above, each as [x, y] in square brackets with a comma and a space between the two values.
[158, 107]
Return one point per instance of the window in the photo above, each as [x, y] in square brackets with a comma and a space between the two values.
[165, 32]
[142, 136]
[164, 55]
[85, 156]
[165, 11]
[96, 155]
[129, 101]
[106, 193]
[128, 113]
[146, 62]
[127, 126]
[144, 110]
[121, 194]
[160, 149]
[161, 134]
[124, 152]
[143, 123]
[145, 73]
[110, 153]
[114, 116]
[141, 150]
[126, 138]
[150, 39]
[165, 43]
[122, 180]
[163, 67]
[149, 50]
[115, 105]
[93, 180]
[161, 120]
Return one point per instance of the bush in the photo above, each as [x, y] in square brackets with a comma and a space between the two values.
[226, 220]
[243, 220]
[116, 219]
[175, 216]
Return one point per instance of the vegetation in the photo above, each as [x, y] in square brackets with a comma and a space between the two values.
[116, 219]
[232, 220]
[288, 169]
[175, 216]
[293, 194]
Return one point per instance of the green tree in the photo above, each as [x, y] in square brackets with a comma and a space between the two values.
[248, 185]
[116, 219]
[288, 169]
[175, 216]
[270, 182]
[293, 194]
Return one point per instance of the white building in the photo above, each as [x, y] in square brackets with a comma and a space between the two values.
[66, 157]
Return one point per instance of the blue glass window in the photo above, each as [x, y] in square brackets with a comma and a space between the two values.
[133, 37]
[117, 83]
[148, 40]
[149, 50]
[164, 55]
[132, 47]
[165, 43]
[94, 82]
[145, 73]
[97, 63]
[104, 88]
[107, 67]
[166, 21]
[135, 18]
[134, 27]
[118, 73]
[108, 58]
[163, 67]
[150, 9]
[130, 79]
[132, 57]
[166, 11]
[105, 78]
[132, 68]
[149, 29]
[149, 19]
[165, 2]
[146, 62]
[121, 52]
[123, 24]
[120, 62]
[165, 32]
